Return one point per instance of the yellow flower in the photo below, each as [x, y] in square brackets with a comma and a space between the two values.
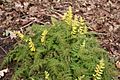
[19, 34]
[46, 75]
[82, 28]
[99, 70]
[43, 35]
[75, 24]
[31, 45]
[82, 21]
[67, 17]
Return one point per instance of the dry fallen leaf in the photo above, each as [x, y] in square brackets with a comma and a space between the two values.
[1, 12]
[118, 64]
[9, 33]
[26, 4]
[18, 5]
[2, 72]
[33, 10]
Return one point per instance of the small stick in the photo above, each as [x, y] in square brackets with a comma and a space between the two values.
[4, 38]
[26, 26]
[3, 50]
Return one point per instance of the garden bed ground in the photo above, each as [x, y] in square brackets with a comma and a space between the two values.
[102, 17]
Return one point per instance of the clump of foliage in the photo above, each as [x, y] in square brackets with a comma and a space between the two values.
[64, 50]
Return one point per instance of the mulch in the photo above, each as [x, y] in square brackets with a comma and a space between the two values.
[102, 17]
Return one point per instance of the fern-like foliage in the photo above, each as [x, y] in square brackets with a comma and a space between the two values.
[61, 51]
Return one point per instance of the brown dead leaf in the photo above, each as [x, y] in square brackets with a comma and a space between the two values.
[26, 4]
[2, 72]
[118, 64]
[32, 10]
[18, 5]
[1, 12]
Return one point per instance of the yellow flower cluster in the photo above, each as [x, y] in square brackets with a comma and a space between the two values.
[43, 35]
[19, 34]
[31, 45]
[46, 75]
[77, 25]
[99, 70]
[83, 28]
[68, 16]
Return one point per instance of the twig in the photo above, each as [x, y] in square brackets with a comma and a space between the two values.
[26, 26]
[3, 50]
[4, 38]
